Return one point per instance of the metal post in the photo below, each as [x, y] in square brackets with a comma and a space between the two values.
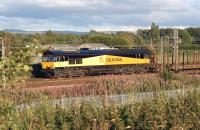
[176, 56]
[3, 59]
[193, 57]
[172, 58]
[161, 53]
[189, 57]
[151, 43]
[168, 58]
[183, 53]
[196, 57]
[183, 62]
[164, 58]
[2, 49]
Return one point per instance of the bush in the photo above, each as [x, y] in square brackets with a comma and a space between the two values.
[166, 74]
[160, 113]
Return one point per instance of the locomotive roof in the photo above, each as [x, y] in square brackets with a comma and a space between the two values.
[99, 52]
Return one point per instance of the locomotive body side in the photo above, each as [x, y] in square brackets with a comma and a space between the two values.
[63, 64]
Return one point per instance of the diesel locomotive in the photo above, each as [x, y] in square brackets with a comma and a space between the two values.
[60, 64]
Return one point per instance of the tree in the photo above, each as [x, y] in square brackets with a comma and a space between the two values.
[155, 33]
[139, 40]
[186, 38]
[93, 32]
[194, 32]
[129, 38]
[71, 38]
[145, 35]
[50, 37]
[15, 69]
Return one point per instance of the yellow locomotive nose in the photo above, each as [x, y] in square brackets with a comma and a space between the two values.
[47, 65]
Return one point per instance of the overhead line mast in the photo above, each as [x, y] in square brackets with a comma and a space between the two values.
[176, 48]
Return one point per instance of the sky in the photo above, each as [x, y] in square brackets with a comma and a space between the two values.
[99, 15]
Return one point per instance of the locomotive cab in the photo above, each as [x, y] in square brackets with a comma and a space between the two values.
[47, 61]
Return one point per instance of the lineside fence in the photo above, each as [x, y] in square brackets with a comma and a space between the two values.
[99, 101]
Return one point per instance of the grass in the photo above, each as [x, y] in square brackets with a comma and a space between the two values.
[161, 113]
[107, 85]
[158, 114]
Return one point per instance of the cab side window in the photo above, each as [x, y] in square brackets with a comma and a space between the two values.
[75, 60]
[141, 56]
[146, 56]
[72, 61]
[60, 58]
[78, 61]
[138, 55]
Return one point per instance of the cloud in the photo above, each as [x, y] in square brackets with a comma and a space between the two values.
[86, 14]
[36, 24]
[57, 3]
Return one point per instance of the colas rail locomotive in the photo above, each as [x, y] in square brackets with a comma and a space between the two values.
[60, 64]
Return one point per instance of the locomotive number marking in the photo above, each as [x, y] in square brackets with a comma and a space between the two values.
[113, 59]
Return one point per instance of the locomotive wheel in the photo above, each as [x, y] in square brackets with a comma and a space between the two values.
[83, 71]
[58, 73]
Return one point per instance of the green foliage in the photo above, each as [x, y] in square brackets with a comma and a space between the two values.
[109, 85]
[107, 39]
[15, 68]
[139, 41]
[160, 113]
[8, 114]
[189, 47]
[194, 32]
[129, 38]
[166, 74]
[145, 34]
[58, 38]
[118, 39]
[186, 38]
[167, 32]
[155, 33]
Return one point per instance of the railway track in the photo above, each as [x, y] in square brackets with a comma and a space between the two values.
[45, 82]
[41, 82]
[190, 71]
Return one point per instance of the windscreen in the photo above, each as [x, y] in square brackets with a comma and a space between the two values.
[47, 58]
